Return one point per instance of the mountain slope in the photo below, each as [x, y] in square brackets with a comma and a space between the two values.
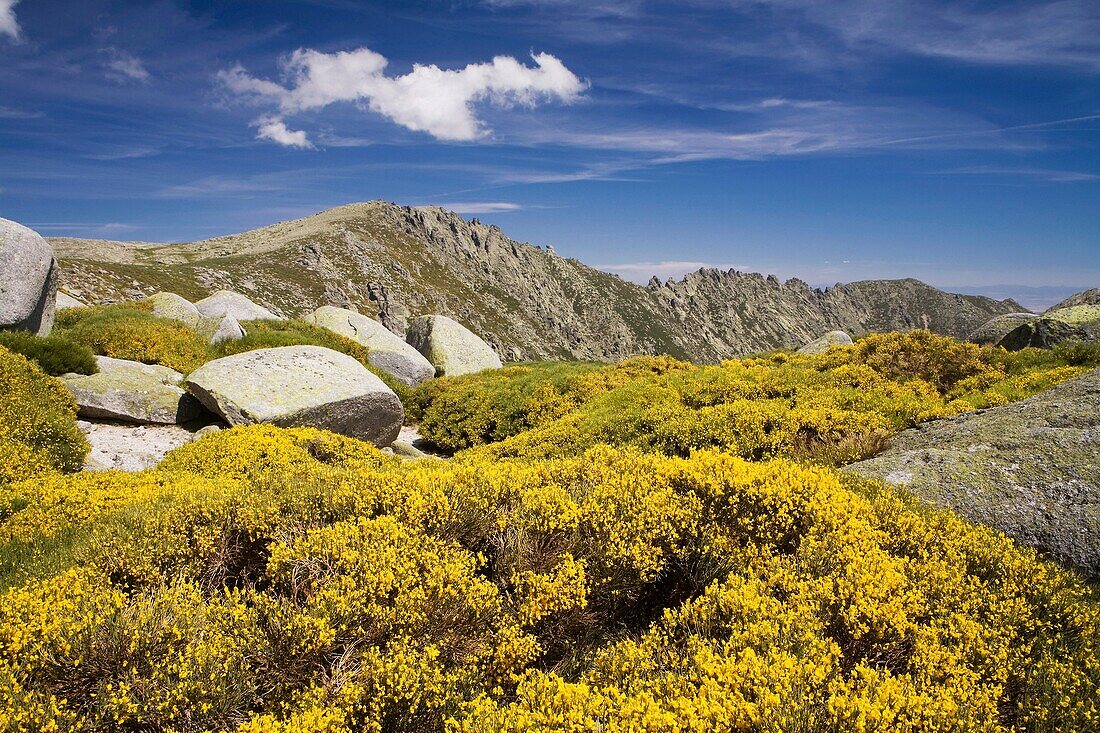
[394, 262]
[1085, 297]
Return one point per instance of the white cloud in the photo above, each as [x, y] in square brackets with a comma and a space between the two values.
[275, 130]
[481, 207]
[8, 24]
[428, 99]
[124, 66]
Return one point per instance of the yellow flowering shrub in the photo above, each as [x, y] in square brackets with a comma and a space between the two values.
[832, 408]
[131, 331]
[38, 432]
[629, 551]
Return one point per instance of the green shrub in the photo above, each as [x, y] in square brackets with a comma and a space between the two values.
[131, 331]
[267, 334]
[54, 354]
[38, 431]
[832, 408]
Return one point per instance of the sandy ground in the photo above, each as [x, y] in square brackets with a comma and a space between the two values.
[128, 447]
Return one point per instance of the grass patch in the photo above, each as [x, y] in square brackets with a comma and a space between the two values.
[56, 355]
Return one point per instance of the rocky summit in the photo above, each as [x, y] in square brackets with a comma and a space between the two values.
[395, 262]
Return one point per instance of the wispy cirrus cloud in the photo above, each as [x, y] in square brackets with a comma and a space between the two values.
[482, 207]
[9, 26]
[427, 99]
[1034, 174]
[123, 66]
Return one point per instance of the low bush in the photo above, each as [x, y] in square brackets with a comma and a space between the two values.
[833, 408]
[38, 431]
[54, 354]
[131, 331]
[289, 580]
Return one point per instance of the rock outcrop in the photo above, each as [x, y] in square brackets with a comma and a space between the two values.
[993, 331]
[227, 303]
[1065, 325]
[451, 348]
[1085, 297]
[1029, 469]
[823, 344]
[133, 392]
[28, 280]
[388, 262]
[387, 351]
[300, 386]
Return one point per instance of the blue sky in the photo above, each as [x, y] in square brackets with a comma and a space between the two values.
[956, 142]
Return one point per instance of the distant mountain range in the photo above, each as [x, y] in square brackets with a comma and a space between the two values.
[394, 262]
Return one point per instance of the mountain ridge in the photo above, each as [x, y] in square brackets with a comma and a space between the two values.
[393, 262]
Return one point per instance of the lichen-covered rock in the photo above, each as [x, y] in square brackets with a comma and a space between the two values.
[823, 344]
[1075, 323]
[1030, 469]
[66, 302]
[175, 307]
[227, 329]
[28, 280]
[451, 347]
[133, 392]
[227, 303]
[387, 351]
[995, 329]
[300, 386]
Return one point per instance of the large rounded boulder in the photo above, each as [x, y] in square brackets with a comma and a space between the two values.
[28, 280]
[829, 340]
[451, 347]
[130, 391]
[227, 303]
[293, 386]
[387, 351]
[175, 307]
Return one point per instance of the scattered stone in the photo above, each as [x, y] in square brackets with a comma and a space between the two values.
[133, 392]
[993, 331]
[1028, 469]
[67, 302]
[227, 303]
[387, 351]
[208, 430]
[300, 386]
[821, 345]
[28, 280]
[175, 307]
[451, 347]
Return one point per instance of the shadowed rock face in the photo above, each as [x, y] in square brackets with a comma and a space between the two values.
[292, 386]
[28, 280]
[1030, 469]
[394, 263]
